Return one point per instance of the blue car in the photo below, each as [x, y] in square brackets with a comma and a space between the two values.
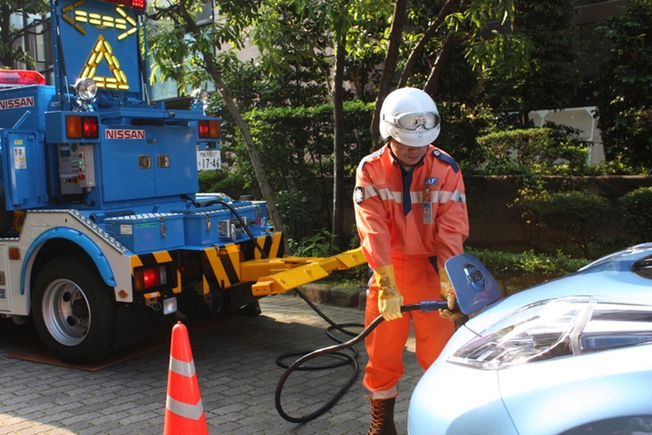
[572, 356]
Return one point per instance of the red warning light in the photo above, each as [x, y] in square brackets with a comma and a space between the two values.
[134, 4]
[17, 77]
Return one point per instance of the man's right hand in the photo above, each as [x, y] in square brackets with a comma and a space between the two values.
[389, 298]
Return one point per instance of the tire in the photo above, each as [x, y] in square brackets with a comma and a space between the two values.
[73, 311]
[195, 306]
[252, 309]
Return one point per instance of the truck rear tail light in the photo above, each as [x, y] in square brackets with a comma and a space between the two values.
[209, 129]
[82, 127]
[147, 278]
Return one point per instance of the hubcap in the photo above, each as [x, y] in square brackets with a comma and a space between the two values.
[66, 312]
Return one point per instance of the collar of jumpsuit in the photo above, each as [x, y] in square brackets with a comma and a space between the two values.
[407, 157]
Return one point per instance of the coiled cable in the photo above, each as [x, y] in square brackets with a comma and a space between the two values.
[335, 350]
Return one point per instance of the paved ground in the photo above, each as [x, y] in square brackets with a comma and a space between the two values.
[237, 374]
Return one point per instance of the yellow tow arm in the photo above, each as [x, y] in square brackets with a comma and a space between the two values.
[279, 275]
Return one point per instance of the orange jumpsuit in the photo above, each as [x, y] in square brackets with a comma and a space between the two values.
[417, 236]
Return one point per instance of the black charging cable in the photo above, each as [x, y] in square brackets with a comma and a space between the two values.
[335, 350]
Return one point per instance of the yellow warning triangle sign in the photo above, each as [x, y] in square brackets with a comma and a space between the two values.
[102, 52]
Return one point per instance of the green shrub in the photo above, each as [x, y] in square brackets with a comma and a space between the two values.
[316, 245]
[636, 209]
[296, 210]
[505, 265]
[550, 150]
[516, 272]
[222, 181]
[576, 215]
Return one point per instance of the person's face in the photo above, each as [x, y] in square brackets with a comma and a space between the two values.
[407, 155]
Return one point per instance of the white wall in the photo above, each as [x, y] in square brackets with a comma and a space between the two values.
[581, 118]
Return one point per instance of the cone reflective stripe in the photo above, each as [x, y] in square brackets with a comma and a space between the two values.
[184, 412]
[193, 412]
[184, 409]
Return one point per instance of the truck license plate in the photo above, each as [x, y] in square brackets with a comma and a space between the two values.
[208, 159]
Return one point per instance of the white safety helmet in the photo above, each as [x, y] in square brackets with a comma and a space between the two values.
[410, 116]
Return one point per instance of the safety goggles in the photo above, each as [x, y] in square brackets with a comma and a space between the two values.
[412, 121]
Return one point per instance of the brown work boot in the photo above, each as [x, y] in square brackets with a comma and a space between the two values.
[382, 417]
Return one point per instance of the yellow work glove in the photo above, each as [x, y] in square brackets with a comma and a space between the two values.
[389, 298]
[448, 294]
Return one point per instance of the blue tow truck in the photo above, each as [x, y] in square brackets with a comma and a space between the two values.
[101, 219]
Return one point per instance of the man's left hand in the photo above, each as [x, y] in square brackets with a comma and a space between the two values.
[448, 293]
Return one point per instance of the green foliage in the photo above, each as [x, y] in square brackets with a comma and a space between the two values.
[223, 181]
[625, 100]
[576, 215]
[296, 149]
[461, 125]
[515, 272]
[10, 35]
[636, 209]
[505, 52]
[318, 244]
[552, 150]
[616, 165]
[179, 48]
[297, 211]
[254, 88]
[296, 144]
[506, 265]
[548, 78]
[297, 39]
[302, 35]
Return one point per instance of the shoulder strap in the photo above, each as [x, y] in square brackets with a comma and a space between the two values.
[446, 158]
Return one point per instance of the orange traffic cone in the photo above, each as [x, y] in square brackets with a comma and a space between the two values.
[184, 413]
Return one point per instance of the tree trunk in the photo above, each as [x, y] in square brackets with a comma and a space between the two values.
[261, 176]
[339, 193]
[438, 67]
[214, 70]
[417, 51]
[5, 37]
[395, 40]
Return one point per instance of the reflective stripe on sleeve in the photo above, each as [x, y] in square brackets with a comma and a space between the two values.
[444, 196]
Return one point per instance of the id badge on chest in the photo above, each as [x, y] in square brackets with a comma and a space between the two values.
[427, 207]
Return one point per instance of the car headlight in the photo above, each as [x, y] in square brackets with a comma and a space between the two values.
[554, 328]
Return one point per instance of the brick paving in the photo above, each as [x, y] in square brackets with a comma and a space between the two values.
[237, 373]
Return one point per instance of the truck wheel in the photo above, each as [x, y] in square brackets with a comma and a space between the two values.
[73, 311]
[195, 306]
[252, 309]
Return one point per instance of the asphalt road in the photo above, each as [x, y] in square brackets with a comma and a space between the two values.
[237, 371]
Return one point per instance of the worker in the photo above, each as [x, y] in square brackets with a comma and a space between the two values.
[410, 210]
